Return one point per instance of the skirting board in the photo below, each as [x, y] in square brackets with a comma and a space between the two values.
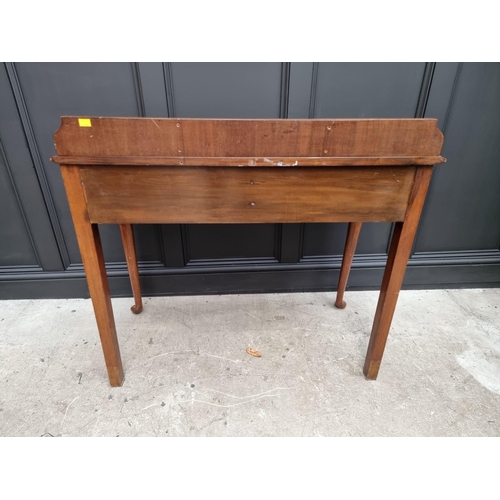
[52, 285]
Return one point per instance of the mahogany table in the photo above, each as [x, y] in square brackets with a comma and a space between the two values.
[185, 171]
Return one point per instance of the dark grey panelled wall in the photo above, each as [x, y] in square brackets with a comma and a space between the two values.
[457, 243]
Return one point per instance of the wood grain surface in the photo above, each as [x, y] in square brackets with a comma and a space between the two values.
[254, 139]
[353, 231]
[246, 161]
[397, 260]
[93, 261]
[224, 195]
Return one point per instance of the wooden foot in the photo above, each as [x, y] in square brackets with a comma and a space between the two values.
[350, 247]
[127, 233]
[93, 262]
[399, 252]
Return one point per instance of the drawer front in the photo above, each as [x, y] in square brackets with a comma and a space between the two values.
[237, 195]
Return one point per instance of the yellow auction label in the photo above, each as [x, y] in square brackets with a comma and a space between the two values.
[84, 122]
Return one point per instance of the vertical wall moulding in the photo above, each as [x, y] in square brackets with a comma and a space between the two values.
[37, 162]
[169, 89]
[312, 112]
[3, 156]
[422, 99]
[283, 113]
[314, 86]
[465, 257]
[425, 89]
[284, 89]
[136, 72]
[141, 111]
[297, 234]
[168, 81]
[452, 98]
[420, 113]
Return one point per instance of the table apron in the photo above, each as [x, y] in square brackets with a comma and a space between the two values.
[128, 194]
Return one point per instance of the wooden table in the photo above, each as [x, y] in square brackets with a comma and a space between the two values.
[186, 171]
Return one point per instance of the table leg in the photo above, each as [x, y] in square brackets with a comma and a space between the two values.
[127, 233]
[399, 252]
[95, 270]
[350, 247]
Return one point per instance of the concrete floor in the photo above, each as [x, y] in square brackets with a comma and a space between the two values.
[187, 372]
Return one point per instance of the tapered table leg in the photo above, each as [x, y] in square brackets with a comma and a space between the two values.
[350, 247]
[399, 252]
[127, 233]
[95, 270]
